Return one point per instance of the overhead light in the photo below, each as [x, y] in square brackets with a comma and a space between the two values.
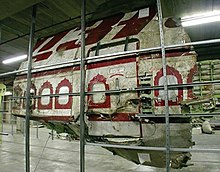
[14, 59]
[198, 19]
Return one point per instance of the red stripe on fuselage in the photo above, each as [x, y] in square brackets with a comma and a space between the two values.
[89, 66]
[66, 118]
[110, 63]
[115, 117]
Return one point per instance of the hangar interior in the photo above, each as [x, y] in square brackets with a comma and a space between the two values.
[109, 85]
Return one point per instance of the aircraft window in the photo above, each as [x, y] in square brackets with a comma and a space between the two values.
[171, 79]
[98, 97]
[114, 47]
[45, 100]
[63, 99]
[98, 100]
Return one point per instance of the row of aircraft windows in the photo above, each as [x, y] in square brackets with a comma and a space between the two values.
[64, 101]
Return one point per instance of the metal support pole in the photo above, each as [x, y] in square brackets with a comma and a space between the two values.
[3, 109]
[52, 134]
[37, 131]
[0, 33]
[82, 88]
[28, 94]
[12, 116]
[165, 86]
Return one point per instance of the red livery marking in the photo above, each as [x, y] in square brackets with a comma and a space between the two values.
[89, 66]
[48, 117]
[47, 84]
[53, 41]
[168, 54]
[39, 43]
[97, 80]
[122, 117]
[42, 56]
[178, 54]
[110, 63]
[75, 68]
[63, 83]
[68, 45]
[170, 71]
[48, 46]
[51, 117]
[117, 74]
[98, 33]
[46, 73]
[93, 35]
[192, 72]
[134, 25]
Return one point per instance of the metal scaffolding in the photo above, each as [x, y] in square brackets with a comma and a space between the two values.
[82, 87]
[82, 94]
[164, 64]
[28, 88]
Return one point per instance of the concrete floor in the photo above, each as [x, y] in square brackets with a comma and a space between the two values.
[58, 155]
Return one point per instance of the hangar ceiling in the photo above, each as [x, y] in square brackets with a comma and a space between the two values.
[54, 16]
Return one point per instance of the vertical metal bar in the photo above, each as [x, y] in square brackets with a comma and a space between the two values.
[82, 87]
[165, 86]
[2, 112]
[37, 136]
[11, 117]
[28, 94]
[23, 130]
[0, 33]
[3, 109]
[1, 100]
[52, 134]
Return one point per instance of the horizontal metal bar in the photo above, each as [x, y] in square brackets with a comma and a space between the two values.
[13, 72]
[46, 95]
[202, 83]
[137, 52]
[153, 88]
[17, 97]
[58, 65]
[134, 89]
[129, 53]
[4, 111]
[173, 115]
[57, 95]
[88, 59]
[96, 58]
[115, 55]
[122, 54]
[5, 101]
[154, 148]
[126, 146]
[92, 92]
[178, 115]
[1, 133]
[212, 41]
[217, 150]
